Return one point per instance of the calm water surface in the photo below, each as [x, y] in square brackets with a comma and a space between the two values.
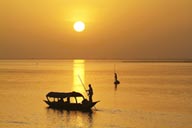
[151, 95]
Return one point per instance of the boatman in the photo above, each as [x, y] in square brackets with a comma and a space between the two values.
[90, 93]
[116, 82]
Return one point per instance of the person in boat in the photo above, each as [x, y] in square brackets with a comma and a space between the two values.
[116, 80]
[115, 76]
[90, 93]
[61, 100]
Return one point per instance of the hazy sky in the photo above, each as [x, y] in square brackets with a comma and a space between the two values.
[120, 29]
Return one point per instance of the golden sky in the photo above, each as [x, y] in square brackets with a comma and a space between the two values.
[115, 29]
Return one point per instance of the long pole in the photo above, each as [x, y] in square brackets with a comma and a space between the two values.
[83, 84]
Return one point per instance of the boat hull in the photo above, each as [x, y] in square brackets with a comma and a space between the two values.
[71, 106]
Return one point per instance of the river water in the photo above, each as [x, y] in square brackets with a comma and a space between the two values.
[150, 95]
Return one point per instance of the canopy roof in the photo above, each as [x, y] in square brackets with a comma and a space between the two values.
[64, 94]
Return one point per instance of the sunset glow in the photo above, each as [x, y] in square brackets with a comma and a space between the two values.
[133, 29]
[78, 75]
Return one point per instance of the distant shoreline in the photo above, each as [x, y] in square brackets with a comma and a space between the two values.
[158, 61]
[121, 60]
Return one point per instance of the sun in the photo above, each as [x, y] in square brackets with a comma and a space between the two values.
[79, 26]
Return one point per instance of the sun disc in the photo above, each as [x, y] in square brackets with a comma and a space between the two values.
[79, 26]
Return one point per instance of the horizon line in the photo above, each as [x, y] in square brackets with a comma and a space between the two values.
[105, 59]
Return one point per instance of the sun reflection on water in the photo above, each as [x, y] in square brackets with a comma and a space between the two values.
[79, 75]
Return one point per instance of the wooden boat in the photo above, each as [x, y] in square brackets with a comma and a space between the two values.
[68, 101]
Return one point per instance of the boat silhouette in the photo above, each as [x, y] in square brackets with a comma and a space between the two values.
[68, 101]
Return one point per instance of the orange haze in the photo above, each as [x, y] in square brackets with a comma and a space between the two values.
[115, 29]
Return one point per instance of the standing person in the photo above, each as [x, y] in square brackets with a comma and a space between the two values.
[90, 93]
[115, 76]
[116, 82]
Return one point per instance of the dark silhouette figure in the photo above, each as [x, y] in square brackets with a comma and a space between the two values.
[116, 82]
[90, 93]
[115, 75]
[61, 100]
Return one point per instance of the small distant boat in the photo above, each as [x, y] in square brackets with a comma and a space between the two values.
[116, 82]
[68, 101]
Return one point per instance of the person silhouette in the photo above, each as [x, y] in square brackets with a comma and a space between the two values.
[90, 93]
[115, 76]
[116, 82]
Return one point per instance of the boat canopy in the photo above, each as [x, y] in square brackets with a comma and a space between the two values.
[64, 95]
